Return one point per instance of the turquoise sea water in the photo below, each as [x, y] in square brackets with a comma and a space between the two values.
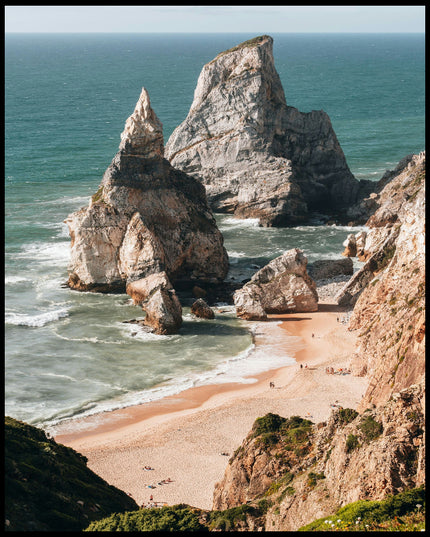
[66, 101]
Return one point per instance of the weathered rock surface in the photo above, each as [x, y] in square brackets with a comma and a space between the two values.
[146, 218]
[390, 311]
[350, 244]
[158, 299]
[282, 286]
[324, 269]
[315, 471]
[256, 156]
[401, 210]
[200, 308]
[359, 213]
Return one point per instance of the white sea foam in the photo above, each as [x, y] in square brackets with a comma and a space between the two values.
[15, 279]
[57, 252]
[230, 222]
[131, 330]
[37, 320]
[271, 352]
[67, 200]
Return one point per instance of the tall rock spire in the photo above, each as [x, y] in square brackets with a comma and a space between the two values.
[143, 131]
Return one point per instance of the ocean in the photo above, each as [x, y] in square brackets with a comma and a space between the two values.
[67, 97]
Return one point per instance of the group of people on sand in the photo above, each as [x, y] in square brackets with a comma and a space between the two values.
[162, 482]
[340, 371]
[152, 503]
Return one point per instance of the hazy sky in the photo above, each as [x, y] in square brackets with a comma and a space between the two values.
[258, 19]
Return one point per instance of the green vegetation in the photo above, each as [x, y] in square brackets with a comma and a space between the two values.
[314, 478]
[270, 423]
[351, 443]
[226, 520]
[98, 195]
[291, 434]
[370, 428]
[170, 518]
[346, 415]
[402, 512]
[49, 486]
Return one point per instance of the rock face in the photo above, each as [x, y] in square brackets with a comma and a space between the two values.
[324, 269]
[390, 311]
[256, 156]
[359, 213]
[309, 471]
[282, 286]
[147, 227]
[318, 469]
[397, 224]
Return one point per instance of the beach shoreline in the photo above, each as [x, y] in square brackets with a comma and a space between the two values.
[185, 438]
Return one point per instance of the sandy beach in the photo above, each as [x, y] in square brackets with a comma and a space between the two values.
[188, 438]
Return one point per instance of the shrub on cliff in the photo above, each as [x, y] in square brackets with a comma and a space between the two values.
[346, 415]
[230, 518]
[270, 423]
[370, 428]
[48, 487]
[170, 518]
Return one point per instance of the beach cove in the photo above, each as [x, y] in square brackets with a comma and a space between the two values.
[189, 438]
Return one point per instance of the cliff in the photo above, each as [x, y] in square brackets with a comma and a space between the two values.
[147, 227]
[49, 486]
[256, 156]
[306, 471]
[390, 311]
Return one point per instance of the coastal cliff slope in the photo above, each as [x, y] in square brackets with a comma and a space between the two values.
[256, 156]
[390, 311]
[147, 227]
[49, 486]
[304, 471]
[307, 471]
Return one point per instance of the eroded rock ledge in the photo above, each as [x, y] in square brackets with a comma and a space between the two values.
[256, 156]
[147, 227]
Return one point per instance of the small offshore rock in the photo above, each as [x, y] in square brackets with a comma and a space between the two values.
[201, 309]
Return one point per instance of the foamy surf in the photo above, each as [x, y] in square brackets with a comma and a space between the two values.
[270, 352]
[37, 320]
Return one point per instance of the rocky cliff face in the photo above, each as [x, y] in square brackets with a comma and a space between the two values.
[256, 156]
[390, 312]
[307, 471]
[146, 219]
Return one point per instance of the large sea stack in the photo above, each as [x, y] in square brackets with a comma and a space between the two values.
[256, 156]
[147, 227]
